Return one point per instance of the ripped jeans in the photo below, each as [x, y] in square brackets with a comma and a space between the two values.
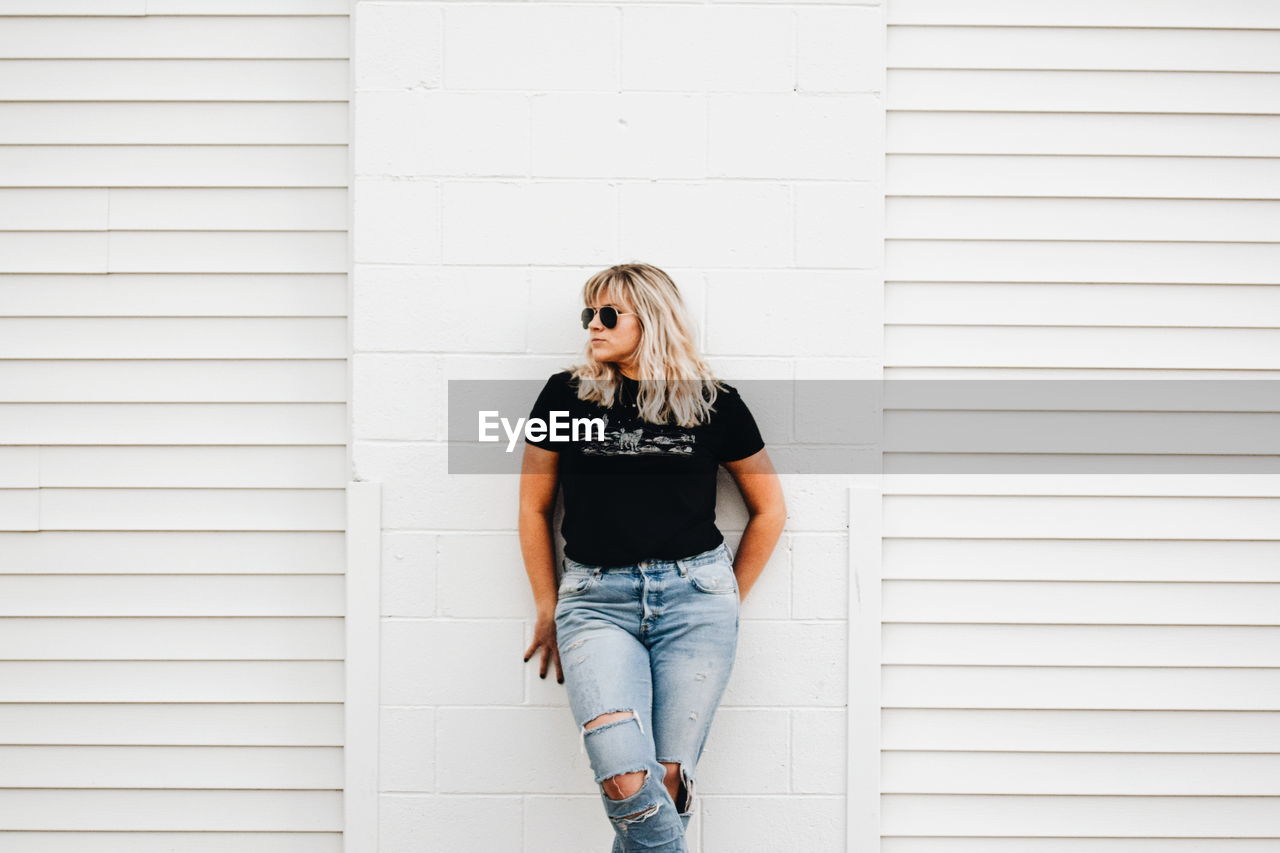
[655, 640]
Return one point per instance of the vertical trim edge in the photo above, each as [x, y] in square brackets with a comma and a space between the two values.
[361, 711]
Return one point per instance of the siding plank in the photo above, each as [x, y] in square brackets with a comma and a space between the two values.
[225, 596]
[133, 810]
[225, 210]
[319, 165]
[174, 80]
[178, 337]
[101, 8]
[1119, 774]
[1057, 346]
[182, 638]
[1084, 91]
[142, 767]
[908, 640]
[169, 681]
[157, 36]
[176, 423]
[51, 552]
[1165, 134]
[1081, 516]
[1074, 304]
[236, 466]
[1083, 219]
[245, 724]
[175, 123]
[187, 295]
[167, 842]
[1033, 175]
[1082, 731]
[168, 380]
[248, 7]
[1155, 817]
[1142, 48]
[1083, 559]
[1226, 14]
[1083, 687]
[1082, 602]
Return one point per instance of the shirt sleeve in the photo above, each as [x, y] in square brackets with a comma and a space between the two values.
[550, 399]
[740, 437]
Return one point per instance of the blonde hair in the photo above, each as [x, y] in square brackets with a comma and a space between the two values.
[667, 350]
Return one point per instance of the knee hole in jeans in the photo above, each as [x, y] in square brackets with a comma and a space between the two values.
[675, 779]
[622, 785]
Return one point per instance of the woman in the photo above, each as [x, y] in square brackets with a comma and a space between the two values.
[643, 623]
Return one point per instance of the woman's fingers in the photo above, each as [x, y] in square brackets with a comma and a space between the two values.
[550, 652]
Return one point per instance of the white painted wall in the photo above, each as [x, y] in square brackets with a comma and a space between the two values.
[1073, 191]
[172, 435]
[503, 153]
[1083, 664]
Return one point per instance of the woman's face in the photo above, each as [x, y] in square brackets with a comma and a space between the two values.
[619, 343]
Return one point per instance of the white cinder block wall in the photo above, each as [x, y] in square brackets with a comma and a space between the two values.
[503, 152]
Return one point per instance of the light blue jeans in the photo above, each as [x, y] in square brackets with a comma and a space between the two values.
[657, 638]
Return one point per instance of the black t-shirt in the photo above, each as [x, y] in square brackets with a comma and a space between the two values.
[647, 491]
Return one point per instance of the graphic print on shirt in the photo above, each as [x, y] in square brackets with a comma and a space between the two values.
[633, 437]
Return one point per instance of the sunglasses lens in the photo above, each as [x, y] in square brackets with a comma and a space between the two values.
[609, 316]
[587, 314]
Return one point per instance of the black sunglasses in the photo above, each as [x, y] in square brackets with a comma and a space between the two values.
[608, 316]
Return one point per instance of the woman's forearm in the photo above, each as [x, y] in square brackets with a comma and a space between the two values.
[538, 550]
[758, 541]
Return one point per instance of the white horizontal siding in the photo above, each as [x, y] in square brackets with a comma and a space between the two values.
[167, 842]
[174, 79]
[248, 637]
[174, 123]
[104, 8]
[170, 552]
[167, 35]
[1222, 14]
[91, 165]
[1083, 190]
[168, 295]
[1164, 134]
[165, 210]
[173, 378]
[1081, 176]
[1037, 46]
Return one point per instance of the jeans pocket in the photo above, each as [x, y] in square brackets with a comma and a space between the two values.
[716, 577]
[576, 583]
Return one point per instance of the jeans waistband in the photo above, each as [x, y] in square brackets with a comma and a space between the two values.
[678, 563]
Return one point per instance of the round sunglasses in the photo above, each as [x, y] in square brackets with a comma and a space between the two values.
[608, 316]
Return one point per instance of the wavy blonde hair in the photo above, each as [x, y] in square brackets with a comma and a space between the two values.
[675, 382]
